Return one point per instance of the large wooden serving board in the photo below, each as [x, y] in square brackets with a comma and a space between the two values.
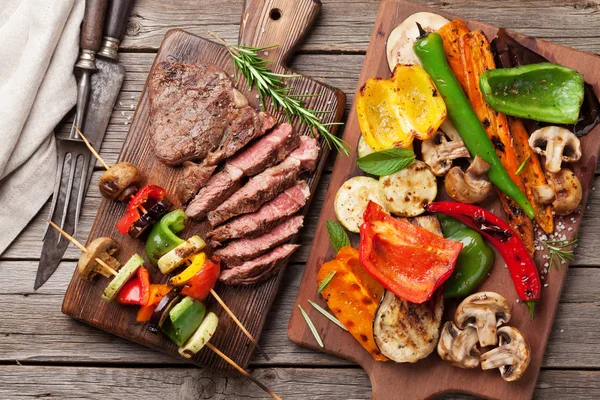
[264, 23]
[432, 376]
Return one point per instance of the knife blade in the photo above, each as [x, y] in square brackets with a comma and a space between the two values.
[104, 87]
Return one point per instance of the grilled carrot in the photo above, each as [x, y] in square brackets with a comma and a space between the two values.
[451, 34]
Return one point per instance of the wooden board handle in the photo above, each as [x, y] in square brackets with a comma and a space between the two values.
[277, 22]
[93, 22]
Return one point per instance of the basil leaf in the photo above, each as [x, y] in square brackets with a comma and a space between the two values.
[338, 236]
[386, 162]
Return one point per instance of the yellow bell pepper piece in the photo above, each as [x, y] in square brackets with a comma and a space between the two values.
[187, 274]
[392, 112]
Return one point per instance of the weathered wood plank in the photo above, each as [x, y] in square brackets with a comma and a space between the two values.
[24, 382]
[345, 25]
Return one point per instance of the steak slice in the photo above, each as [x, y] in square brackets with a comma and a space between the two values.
[260, 268]
[245, 125]
[238, 251]
[195, 177]
[269, 150]
[268, 184]
[266, 218]
[220, 186]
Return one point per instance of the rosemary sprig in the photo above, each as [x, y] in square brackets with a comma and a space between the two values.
[270, 84]
[557, 251]
[311, 326]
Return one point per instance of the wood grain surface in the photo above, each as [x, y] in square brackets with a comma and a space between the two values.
[62, 358]
[431, 376]
[264, 23]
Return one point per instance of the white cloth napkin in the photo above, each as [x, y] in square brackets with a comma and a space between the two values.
[39, 44]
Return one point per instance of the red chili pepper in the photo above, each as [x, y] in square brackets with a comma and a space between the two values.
[137, 290]
[520, 264]
[410, 261]
[138, 201]
[200, 285]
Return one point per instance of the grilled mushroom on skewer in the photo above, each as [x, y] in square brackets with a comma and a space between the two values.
[484, 311]
[104, 249]
[511, 357]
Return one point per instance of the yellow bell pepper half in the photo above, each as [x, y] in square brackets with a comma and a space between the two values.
[392, 112]
[184, 277]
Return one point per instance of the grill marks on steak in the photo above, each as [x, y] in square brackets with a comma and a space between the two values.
[266, 218]
[268, 184]
[195, 110]
[260, 268]
[220, 186]
[238, 251]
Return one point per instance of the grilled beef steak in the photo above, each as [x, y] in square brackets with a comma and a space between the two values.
[268, 184]
[195, 176]
[195, 110]
[219, 187]
[260, 268]
[267, 217]
[242, 250]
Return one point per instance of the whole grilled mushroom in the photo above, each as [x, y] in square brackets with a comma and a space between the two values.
[557, 144]
[103, 248]
[563, 190]
[472, 186]
[511, 357]
[119, 181]
[484, 311]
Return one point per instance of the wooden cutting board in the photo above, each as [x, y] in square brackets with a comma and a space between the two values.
[264, 23]
[432, 376]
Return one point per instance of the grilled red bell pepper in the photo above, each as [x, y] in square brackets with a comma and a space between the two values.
[410, 261]
[137, 290]
[520, 264]
[200, 285]
[148, 205]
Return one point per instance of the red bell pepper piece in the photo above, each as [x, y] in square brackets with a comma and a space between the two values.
[200, 285]
[408, 260]
[520, 264]
[157, 292]
[132, 213]
[137, 290]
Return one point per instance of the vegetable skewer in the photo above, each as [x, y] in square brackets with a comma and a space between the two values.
[209, 345]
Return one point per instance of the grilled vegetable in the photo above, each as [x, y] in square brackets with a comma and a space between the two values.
[363, 148]
[151, 200]
[125, 273]
[352, 295]
[184, 277]
[119, 181]
[161, 312]
[451, 34]
[408, 260]
[103, 248]
[157, 292]
[162, 237]
[184, 318]
[200, 285]
[407, 191]
[177, 256]
[136, 290]
[352, 198]
[202, 335]
[392, 112]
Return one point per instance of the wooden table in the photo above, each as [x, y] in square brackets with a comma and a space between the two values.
[46, 354]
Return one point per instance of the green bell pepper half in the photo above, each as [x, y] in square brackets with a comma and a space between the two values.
[163, 238]
[474, 261]
[544, 92]
[183, 320]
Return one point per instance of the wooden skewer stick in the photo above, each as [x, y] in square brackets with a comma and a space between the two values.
[242, 371]
[82, 247]
[238, 323]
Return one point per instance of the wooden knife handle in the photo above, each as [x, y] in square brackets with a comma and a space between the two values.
[277, 22]
[117, 15]
[93, 22]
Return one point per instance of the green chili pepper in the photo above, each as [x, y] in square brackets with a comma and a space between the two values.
[544, 92]
[163, 238]
[183, 320]
[430, 50]
[474, 261]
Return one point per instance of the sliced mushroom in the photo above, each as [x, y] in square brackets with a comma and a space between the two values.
[459, 347]
[543, 194]
[119, 181]
[512, 356]
[103, 248]
[557, 144]
[484, 311]
[472, 186]
[443, 147]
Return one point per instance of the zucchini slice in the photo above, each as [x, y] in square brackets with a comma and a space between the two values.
[352, 198]
[202, 335]
[363, 148]
[179, 254]
[125, 273]
[406, 192]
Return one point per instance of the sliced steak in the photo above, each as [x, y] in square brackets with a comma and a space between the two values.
[245, 125]
[195, 177]
[260, 268]
[266, 218]
[220, 186]
[268, 184]
[242, 250]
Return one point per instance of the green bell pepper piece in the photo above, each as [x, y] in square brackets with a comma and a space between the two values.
[183, 320]
[474, 261]
[163, 238]
[544, 92]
